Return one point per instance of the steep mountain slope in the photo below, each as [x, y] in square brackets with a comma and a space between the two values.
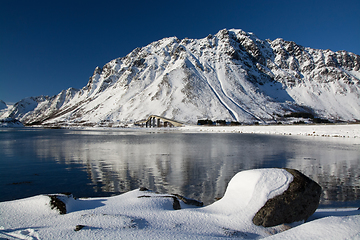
[232, 75]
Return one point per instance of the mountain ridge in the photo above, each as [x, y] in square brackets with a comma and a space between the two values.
[232, 75]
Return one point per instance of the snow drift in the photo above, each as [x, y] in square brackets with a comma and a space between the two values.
[147, 215]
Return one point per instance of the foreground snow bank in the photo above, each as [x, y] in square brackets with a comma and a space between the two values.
[345, 227]
[341, 130]
[147, 215]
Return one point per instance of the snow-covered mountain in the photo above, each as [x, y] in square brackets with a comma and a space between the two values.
[2, 105]
[232, 75]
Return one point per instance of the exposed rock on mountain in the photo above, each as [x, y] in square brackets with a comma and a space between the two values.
[232, 75]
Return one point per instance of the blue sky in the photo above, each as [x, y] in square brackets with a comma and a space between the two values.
[48, 46]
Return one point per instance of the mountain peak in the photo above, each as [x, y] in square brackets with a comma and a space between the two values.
[232, 75]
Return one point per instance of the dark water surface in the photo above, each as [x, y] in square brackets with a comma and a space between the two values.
[92, 163]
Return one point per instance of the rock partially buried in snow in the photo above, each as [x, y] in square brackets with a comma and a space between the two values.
[267, 197]
[175, 197]
[148, 215]
[56, 202]
[249, 190]
[297, 203]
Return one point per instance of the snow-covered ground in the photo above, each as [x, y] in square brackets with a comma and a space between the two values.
[331, 130]
[147, 215]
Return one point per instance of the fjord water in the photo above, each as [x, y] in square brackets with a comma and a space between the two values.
[90, 163]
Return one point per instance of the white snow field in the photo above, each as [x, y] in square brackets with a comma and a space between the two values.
[147, 215]
[317, 130]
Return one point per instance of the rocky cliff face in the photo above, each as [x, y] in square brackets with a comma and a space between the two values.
[232, 75]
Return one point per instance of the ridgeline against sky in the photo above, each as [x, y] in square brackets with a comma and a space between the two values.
[232, 76]
[48, 46]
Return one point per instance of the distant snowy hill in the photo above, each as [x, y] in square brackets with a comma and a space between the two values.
[2, 105]
[232, 75]
[7, 121]
[4, 108]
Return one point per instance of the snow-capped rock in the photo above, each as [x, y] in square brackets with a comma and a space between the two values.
[232, 75]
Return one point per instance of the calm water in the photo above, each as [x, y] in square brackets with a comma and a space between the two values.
[198, 165]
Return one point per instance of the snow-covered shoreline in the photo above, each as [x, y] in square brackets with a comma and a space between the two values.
[351, 131]
[143, 214]
[316, 130]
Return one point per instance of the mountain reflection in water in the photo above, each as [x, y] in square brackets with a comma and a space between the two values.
[197, 165]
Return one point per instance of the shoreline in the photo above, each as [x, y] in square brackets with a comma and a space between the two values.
[351, 131]
[335, 131]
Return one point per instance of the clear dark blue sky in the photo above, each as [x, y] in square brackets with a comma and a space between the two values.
[48, 46]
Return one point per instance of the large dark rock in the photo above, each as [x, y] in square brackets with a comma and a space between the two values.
[297, 203]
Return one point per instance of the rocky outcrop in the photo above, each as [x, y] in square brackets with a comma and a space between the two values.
[297, 203]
